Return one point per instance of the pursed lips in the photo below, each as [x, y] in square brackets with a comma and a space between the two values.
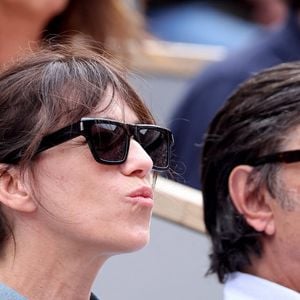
[142, 196]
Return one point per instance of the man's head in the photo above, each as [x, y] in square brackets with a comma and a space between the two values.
[249, 202]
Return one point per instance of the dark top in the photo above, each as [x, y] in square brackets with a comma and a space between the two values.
[213, 85]
[93, 297]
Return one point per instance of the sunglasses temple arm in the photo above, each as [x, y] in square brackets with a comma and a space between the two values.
[59, 137]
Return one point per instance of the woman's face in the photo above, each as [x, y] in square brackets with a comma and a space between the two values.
[92, 204]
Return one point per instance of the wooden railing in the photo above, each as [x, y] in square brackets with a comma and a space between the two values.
[178, 203]
[175, 59]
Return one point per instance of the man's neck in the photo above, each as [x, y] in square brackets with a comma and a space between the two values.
[276, 268]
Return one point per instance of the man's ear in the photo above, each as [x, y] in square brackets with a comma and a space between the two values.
[13, 192]
[253, 206]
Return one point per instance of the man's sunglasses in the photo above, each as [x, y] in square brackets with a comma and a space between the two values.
[279, 157]
[109, 141]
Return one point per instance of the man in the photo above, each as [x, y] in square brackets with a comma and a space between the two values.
[213, 86]
[251, 187]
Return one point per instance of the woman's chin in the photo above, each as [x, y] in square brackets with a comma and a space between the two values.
[134, 242]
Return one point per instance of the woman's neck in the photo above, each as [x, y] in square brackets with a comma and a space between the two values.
[48, 271]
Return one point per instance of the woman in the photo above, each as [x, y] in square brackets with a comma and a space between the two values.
[26, 23]
[77, 151]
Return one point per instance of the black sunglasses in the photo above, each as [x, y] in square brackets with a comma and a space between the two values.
[109, 141]
[279, 157]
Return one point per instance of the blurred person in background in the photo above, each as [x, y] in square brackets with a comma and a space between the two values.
[210, 88]
[77, 153]
[269, 13]
[230, 23]
[26, 23]
[251, 187]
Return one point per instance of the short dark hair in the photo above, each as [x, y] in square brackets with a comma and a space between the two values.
[253, 122]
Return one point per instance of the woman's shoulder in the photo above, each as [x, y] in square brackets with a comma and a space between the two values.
[9, 293]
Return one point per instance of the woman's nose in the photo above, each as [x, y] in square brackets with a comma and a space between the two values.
[138, 161]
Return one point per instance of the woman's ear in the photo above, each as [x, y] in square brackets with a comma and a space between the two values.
[252, 204]
[13, 191]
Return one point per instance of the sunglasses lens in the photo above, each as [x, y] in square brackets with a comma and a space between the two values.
[156, 144]
[109, 142]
